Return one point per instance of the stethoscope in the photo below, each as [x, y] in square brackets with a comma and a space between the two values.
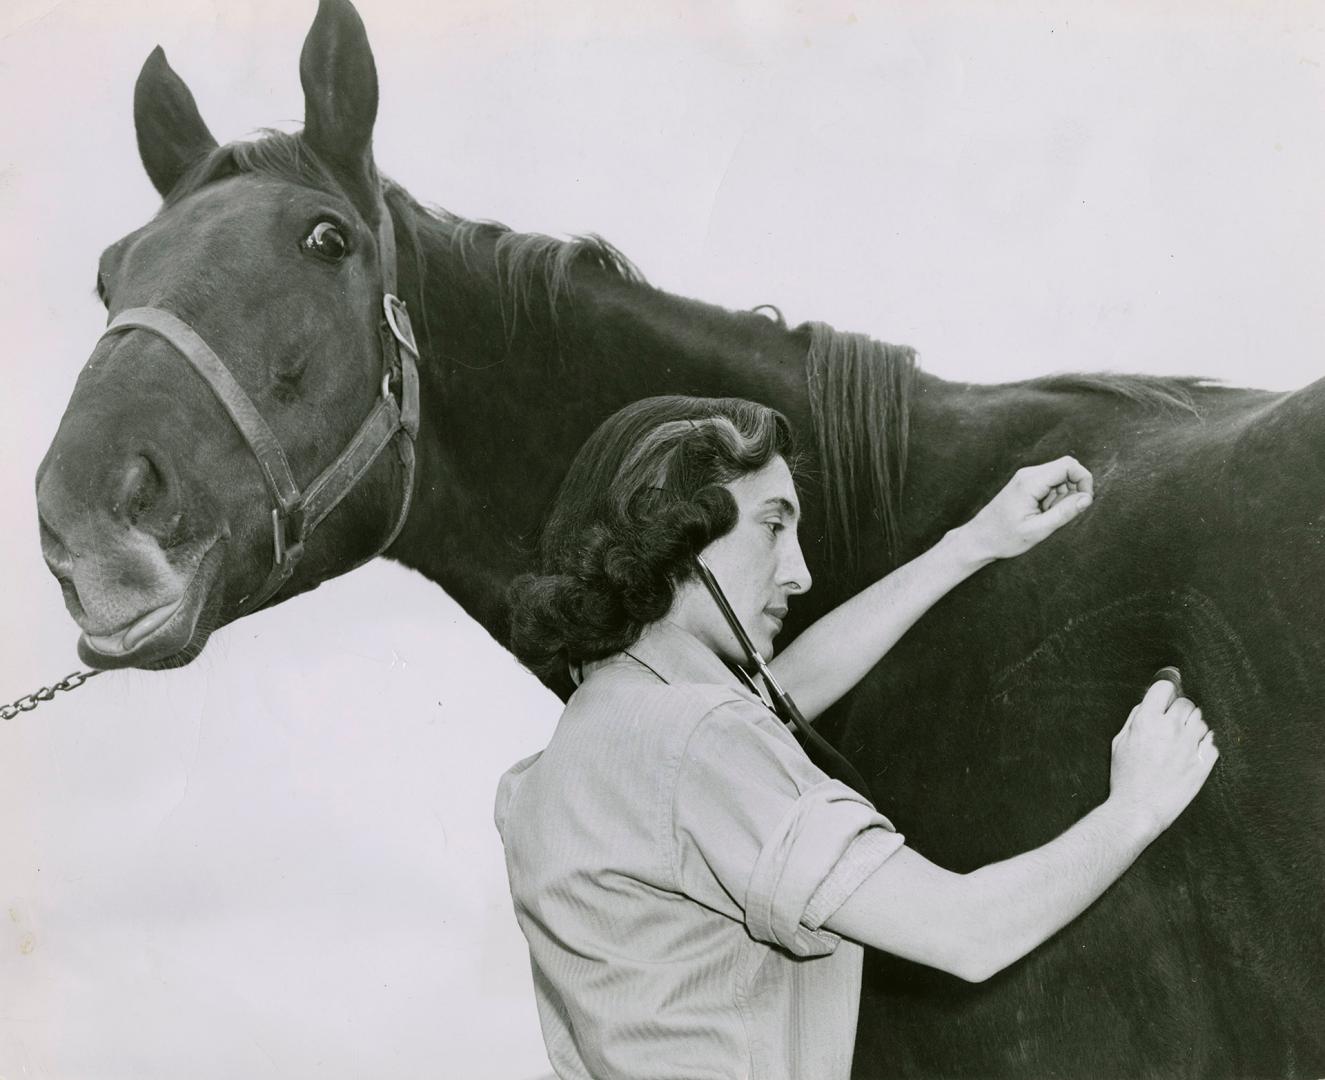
[836, 765]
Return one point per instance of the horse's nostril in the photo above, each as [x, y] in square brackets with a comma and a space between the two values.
[53, 549]
[48, 537]
[72, 602]
[140, 489]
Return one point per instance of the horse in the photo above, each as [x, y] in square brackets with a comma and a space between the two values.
[985, 731]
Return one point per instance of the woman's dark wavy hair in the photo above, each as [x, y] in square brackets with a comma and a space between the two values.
[643, 496]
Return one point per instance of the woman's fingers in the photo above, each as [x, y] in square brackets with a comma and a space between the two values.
[1181, 711]
[1159, 696]
[1058, 515]
[1068, 472]
[1057, 492]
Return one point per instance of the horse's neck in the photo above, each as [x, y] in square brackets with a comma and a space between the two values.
[507, 401]
[514, 382]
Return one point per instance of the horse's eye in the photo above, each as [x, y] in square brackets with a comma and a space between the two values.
[327, 240]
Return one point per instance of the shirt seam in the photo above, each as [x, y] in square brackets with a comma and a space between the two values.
[740, 978]
[674, 847]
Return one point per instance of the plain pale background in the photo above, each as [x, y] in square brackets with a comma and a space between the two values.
[279, 861]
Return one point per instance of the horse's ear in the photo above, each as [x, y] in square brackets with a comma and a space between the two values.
[171, 134]
[340, 98]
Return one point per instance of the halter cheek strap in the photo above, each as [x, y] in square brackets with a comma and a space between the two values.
[297, 513]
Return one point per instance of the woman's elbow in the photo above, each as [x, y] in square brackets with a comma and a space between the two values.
[969, 961]
[973, 958]
[976, 969]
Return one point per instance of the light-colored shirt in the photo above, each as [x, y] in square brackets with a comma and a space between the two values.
[672, 856]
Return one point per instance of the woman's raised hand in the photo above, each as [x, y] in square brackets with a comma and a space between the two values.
[1037, 501]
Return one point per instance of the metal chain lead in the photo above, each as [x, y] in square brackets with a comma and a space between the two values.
[28, 702]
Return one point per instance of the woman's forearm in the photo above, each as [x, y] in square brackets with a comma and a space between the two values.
[1023, 901]
[834, 654]
[974, 925]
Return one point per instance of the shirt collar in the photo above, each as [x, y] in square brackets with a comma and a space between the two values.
[675, 656]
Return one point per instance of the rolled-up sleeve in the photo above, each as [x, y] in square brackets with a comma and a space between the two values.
[763, 834]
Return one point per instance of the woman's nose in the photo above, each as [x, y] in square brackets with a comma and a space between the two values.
[795, 573]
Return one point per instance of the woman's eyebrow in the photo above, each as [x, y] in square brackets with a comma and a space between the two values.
[783, 505]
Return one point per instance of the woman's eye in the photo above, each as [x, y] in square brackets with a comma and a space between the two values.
[327, 240]
[773, 527]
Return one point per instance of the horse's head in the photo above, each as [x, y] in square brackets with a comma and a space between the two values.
[245, 354]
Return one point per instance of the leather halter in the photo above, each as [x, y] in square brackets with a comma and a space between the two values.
[297, 513]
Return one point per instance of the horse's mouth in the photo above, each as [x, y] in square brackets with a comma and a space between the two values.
[163, 636]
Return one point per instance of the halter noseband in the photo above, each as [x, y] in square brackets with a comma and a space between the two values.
[297, 513]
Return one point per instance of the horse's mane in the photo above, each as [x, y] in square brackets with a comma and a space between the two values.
[527, 277]
[859, 389]
[1157, 391]
[533, 270]
[860, 399]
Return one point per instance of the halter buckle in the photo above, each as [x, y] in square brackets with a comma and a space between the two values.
[397, 318]
[282, 549]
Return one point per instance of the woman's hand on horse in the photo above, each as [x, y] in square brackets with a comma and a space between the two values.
[1037, 501]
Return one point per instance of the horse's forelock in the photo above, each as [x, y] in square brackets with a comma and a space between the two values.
[276, 153]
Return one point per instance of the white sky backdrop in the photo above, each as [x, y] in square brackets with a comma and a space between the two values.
[279, 862]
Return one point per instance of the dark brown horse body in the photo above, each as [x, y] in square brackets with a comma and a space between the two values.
[985, 733]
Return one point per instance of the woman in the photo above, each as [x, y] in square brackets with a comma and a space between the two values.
[694, 890]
